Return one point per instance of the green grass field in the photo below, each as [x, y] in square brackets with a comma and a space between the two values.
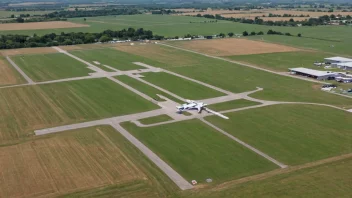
[146, 89]
[111, 57]
[236, 78]
[45, 67]
[7, 14]
[198, 152]
[284, 60]
[181, 87]
[293, 134]
[156, 119]
[233, 104]
[180, 25]
[328, 180]
[24, 109]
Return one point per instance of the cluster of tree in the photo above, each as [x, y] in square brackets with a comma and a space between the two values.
[280, 33]
[204, 21]
[92, 13]
[286, 15]
[22, 41]
[163, 11]
[31, 20]
[253, 33]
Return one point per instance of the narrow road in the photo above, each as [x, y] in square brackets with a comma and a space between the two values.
[243, 64]
[29, 80]
[157, 87]
[106, 121]
[187, 78]
[133, 90]
[171, 173]
[91, 66]
[281, 165]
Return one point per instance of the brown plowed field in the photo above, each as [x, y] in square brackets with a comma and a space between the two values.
[68, 162]
[40, 25]
[229, 47]
[39, 50]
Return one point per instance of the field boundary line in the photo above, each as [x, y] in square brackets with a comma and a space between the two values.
[239, 63]
[273, 173]
[168, 170]
[281, 165]
[157, 87]
[29, 80]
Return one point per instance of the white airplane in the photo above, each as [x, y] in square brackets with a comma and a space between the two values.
[199, 106]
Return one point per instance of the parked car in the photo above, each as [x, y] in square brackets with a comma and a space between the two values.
[329, 85]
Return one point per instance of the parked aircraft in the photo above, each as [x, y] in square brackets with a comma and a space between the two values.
[199, 106]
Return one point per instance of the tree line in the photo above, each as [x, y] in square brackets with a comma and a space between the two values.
[24, 41]
[323, 20]
[92, 13]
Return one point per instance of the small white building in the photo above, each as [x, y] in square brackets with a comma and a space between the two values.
[316, 74]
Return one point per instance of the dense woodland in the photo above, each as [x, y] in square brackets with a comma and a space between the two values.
[24, 41]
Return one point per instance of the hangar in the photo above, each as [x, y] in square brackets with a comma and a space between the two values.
[345, 66]
[337, 59]
[319, 75]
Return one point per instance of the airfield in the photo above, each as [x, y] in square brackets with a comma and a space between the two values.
[98, 120]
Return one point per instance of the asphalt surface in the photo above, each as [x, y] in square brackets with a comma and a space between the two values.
[29, 80]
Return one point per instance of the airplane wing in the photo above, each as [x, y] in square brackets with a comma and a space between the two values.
[216, 113]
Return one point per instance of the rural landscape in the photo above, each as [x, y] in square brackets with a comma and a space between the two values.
[175, 99]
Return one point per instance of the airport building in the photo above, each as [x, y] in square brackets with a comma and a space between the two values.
[337, 59]
[316, 74]
[340, 62]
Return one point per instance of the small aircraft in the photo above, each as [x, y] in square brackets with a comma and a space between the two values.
[199, 106]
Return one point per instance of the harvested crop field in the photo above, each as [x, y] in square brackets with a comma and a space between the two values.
[72, 161]
[39, 50]
[27, 108]
[167, 56]
[228, 47]
[40, 25]
[8, 75]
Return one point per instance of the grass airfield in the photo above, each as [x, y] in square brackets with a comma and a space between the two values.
[315, 138]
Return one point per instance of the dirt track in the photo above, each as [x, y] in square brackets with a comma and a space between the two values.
[39, 50]
[40, 25]
[229, 47]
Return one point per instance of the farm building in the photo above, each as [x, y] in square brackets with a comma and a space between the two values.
[337, 59]
[345, 66]
[316, 74]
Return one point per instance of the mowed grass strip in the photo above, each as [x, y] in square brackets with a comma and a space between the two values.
[181, 87]
[198, 152]
[155, 119]
[24, 109]
[146, 89]
[327, 180]
[292, 134]
[45, 67]
[111, 57]
[284, 60]
[8, 74]
[233, 104]
[66, 162]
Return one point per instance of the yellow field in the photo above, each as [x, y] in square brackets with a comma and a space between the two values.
[229, 47]
[40, 25]
[39, 50]
[171, 57]
[259, 13]
[68, 162]
[8, 75]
